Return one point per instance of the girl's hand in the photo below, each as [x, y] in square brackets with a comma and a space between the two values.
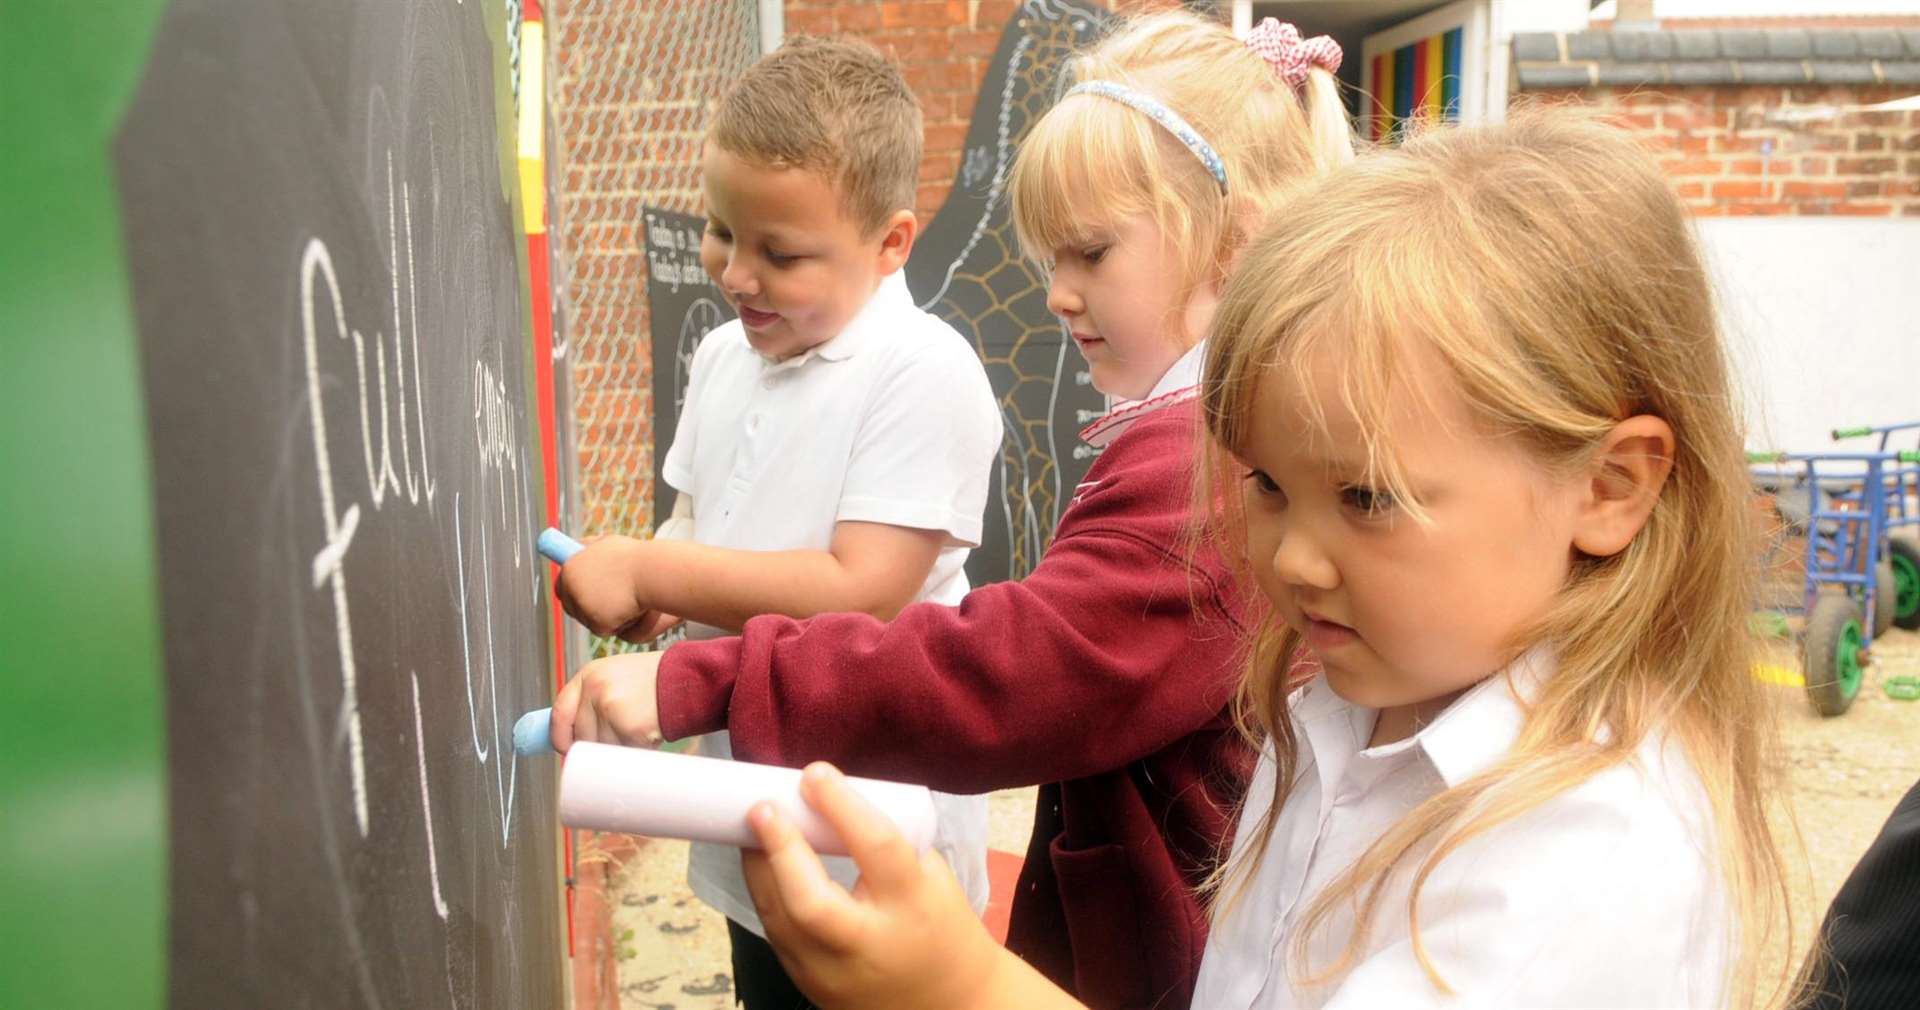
[610, 700]
[905, 938]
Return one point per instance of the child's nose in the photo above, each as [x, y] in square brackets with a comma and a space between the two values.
[737, 279]
[1299, 562]
[1063, 300]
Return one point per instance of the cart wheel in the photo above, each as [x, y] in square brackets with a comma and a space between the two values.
[1905, 557]
[1886, 596]
[1831, 653]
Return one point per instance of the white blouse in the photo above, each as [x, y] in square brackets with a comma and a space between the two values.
[1607, 895]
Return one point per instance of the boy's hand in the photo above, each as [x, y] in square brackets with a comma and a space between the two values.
[610, 700]
[905, 937]
[598, 587]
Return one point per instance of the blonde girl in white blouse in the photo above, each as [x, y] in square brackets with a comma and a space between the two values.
[1474, 435]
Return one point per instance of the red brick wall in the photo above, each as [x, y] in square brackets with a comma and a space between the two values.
[1731, 153]
[943, 47]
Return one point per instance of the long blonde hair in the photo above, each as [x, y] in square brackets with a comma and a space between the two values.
[1549, 265]
[1091, 161]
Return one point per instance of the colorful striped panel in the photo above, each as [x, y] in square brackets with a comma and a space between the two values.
[1418, 81]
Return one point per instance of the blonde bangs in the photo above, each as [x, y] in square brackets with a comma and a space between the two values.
[1088, 163]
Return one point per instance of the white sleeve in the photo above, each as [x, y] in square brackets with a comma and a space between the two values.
[1583, 902]
[925, 449]
[677, 470]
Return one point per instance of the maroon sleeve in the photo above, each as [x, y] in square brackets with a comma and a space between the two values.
[1109, 651]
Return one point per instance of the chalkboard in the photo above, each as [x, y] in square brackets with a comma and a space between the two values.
[966, 268]
[683, 305]
[330, 297]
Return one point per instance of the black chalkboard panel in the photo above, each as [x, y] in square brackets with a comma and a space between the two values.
[967, 268]
[330, 301]
[683, 305]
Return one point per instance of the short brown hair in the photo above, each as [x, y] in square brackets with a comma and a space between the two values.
[833, 106]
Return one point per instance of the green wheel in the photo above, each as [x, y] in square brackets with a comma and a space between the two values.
[1886, 596]
[1831, 653]
[1905, 558]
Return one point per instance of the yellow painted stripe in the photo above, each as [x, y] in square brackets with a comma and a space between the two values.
[1767, 673]
[1436, 69]
[533, 176]
[1383, 95]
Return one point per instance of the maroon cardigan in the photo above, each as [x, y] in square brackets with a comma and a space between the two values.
[1105, 675]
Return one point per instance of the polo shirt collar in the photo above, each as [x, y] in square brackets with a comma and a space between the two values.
[1478, 729]
[888, 300]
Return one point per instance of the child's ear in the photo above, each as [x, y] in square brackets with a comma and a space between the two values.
[1623, 484]
[896, 240]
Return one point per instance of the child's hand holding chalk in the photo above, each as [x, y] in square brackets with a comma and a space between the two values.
[597, 585]
[907, 938]
[610, 700]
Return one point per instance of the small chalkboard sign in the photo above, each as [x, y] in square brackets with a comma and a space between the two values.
[682, 307]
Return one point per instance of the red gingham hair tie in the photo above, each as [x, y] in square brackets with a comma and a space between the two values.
[1279, 43]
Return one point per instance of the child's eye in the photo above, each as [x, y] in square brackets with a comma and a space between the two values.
[1263, 484]
[780, 259]
[1094, 255]
[1367, 501]
[718, 232]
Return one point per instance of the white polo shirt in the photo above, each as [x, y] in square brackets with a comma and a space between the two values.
[1606, 895]
[891, 421]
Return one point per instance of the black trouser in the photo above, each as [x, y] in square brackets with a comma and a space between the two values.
[759, 982]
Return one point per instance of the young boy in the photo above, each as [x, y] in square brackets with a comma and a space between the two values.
[834, 450]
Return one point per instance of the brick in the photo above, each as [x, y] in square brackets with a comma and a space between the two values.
[1799, 189]
[1695, 117]
[1862, 209]
[1901, 71]
[1820, 142]
[1869, 142]
[1841, 44]
[1747, 166]
[1641, 46]
[1700, 166]
[1746, 143]
[1695, 44]
[1842, 73]
[1693, 73]
[1628, 75]
[1758, 209]
[1741, 189]
[1864, 166]
[1772, 72]
[1690, 190]
[1555, 76]
[1743, 43]
[1788, 43]
[1536, 47]
[1589, 46]
[1880, 44]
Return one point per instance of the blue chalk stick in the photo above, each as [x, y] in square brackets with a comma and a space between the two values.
[557, 546]
[533, 734]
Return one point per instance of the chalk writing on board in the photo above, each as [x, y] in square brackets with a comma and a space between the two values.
[497, 431]
[673, 251]
[426, 799]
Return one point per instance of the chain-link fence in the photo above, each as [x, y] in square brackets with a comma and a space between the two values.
[632, 84]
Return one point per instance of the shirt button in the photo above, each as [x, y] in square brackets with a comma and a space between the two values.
[767, 383]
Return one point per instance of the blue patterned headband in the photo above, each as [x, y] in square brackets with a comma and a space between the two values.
[1166, 117]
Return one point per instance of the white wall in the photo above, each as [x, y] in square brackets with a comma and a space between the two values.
[1824, 318]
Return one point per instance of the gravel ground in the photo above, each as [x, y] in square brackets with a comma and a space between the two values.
[1847, 773]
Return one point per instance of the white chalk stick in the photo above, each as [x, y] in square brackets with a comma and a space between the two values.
[663, 795]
